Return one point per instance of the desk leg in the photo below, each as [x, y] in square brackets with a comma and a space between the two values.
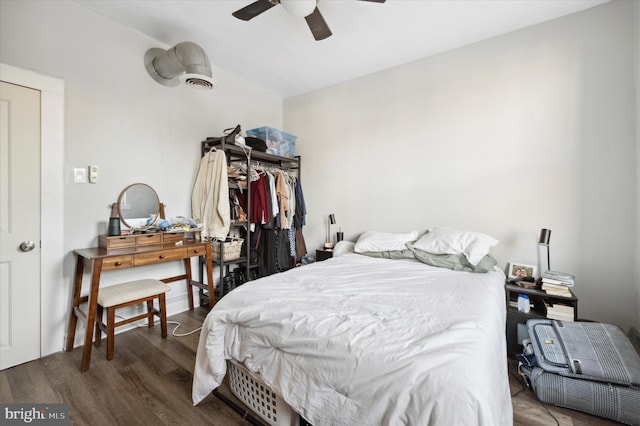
[91, 315]
[187, 267]
[73, 318]
[212, 293]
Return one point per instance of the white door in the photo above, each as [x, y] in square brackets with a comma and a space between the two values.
[19, 224]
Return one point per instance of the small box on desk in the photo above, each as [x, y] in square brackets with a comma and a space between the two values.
[278, 142]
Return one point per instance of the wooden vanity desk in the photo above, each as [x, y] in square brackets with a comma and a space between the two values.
[127, 252]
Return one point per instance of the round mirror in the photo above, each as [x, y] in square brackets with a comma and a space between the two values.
[139, 206]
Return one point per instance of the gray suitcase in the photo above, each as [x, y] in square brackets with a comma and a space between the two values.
[586, 366]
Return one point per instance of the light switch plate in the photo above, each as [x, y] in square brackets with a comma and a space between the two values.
[79, 175]
[93, 174]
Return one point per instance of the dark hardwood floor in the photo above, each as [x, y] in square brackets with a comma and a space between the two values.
[149, 382]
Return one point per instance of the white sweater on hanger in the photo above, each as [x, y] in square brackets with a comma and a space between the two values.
[210, 196]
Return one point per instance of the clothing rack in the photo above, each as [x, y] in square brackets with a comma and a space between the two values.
[270, 168]
[254, 156]
[251, 158]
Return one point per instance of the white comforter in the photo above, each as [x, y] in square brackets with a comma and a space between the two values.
[356, 340]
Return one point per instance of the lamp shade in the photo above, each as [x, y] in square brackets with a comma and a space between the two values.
[545, 236]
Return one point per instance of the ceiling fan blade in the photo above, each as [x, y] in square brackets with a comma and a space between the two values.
[318, 25]
[375, 1]
[254, 9]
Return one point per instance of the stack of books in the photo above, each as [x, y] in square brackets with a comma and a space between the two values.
[557, 283]
[514, 304]
[560, 312]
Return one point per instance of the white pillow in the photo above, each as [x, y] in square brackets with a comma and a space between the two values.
[343, 247]
[372, 241]
[474, 245]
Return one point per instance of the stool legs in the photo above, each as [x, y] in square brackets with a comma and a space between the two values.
[111, 324]
[163, 314]
[111, 320]
[150, 315]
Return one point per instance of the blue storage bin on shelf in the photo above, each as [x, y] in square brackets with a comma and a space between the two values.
[278, 141]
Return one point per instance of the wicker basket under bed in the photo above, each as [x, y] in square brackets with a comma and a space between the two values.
[254, 393]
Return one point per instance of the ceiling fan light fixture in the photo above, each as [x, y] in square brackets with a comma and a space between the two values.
[306, 9]
[299, 8]
[185, 62]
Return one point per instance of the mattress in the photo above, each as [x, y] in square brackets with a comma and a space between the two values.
[357, 340]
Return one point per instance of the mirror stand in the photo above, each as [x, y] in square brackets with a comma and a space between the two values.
[139, 207]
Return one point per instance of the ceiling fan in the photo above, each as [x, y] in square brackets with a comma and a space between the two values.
[301, 8]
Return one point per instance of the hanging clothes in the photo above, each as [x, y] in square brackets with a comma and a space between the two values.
[259, 200]
[268, 252]
[283, 196]
[278, 212]
[300, 218]
[284, 259]
[301, 246]
[273, 195]
[210, 196]
[290, 180]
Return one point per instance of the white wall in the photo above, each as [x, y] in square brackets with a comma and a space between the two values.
[637, 121]
[118, 118]
[530, 130]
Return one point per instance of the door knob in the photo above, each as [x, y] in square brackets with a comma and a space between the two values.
[27, 246]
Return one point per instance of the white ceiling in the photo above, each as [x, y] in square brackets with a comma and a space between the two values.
[276, 50]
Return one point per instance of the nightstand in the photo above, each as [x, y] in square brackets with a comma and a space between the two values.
[323, 254]
[540, 300]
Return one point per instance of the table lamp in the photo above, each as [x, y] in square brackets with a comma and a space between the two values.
[328, 245]
[545, 236]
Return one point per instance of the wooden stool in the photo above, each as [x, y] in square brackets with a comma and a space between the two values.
[128, 294]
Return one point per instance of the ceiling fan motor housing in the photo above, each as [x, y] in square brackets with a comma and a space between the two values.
[299, 8]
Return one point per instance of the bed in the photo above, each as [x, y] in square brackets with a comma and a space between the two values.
[367, 340]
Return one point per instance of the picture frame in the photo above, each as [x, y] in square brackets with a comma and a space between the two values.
[521, 270]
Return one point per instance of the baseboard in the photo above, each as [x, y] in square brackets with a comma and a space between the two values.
[634, 336]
